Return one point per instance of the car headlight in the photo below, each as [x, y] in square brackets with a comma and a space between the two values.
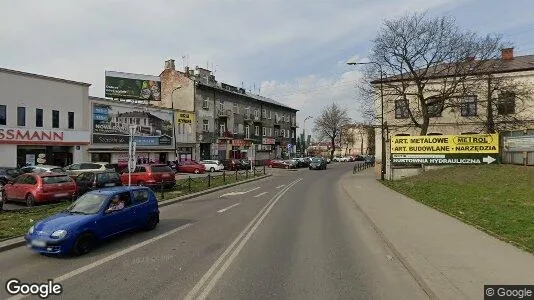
[30, 231]
[59, 234]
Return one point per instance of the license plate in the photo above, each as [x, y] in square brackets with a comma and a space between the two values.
[109, 184]
[62, 195]
[38, 243]
[166, 175]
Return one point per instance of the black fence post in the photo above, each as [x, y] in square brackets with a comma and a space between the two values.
[254, 171]
[235, 174]
[264, 169]
[246, 173]
[189, 183]
[161, 190]
[209, 180]
[224, 177]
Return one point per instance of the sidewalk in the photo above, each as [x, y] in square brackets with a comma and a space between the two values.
[452, 259]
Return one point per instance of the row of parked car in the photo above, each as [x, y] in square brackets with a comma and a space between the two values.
[296, 163]
[367, 158]
[41, 183]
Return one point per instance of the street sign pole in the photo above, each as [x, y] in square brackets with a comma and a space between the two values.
[132, 163]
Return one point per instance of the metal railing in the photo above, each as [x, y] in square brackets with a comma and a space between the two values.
[361, 165]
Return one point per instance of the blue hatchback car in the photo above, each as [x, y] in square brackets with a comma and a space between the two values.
[94, 217]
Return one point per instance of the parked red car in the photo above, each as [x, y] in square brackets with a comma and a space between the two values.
[150, 175]
[277, 164]
[40, 187]
[190, 166]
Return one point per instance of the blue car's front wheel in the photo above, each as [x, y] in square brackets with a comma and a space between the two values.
[83, 244]
[152, 222]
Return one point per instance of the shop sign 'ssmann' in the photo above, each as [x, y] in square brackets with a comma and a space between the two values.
[445, 149]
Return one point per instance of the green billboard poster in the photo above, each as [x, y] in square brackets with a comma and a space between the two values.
[133, 86]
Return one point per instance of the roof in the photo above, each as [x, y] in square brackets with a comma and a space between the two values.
[248, 95]
[495, 66]
[15, 72]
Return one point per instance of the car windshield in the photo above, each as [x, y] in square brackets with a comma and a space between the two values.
[89, 203]
[316, 159]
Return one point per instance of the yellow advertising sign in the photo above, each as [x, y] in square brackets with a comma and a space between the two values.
[446, 144]
[183, 117]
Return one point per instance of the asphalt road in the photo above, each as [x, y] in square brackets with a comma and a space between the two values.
[294, 235]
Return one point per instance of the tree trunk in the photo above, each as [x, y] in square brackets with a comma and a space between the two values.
[333, 142]
[490, 122]
[424, 125]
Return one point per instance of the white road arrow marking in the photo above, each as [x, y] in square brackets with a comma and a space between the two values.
[229, 207]
[488, 159]
[260, 194]
[238, 193]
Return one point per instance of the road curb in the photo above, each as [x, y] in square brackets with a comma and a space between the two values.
[19, 241]
[418, 278]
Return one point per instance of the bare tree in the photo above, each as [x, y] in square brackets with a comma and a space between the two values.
[426, 62]
[329, 124]
[346, 136]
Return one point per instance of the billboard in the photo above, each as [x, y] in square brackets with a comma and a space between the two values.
[444, 149]
[133, 86]
[111, 125]
[519, 143]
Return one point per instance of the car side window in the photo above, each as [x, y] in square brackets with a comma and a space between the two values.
[140, 196]
[74, 167]
[141, 169]
[102, 178]
[21, 179]
[30, 180]
[81, 177]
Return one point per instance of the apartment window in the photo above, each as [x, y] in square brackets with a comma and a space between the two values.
[247, 112]
[276, 117]
[21, 116]
[205, 104]
[270, 114]
[256, 113]
[247, 131]
[264, 131]
[236, 108]
[270, 132]
[401, 109]
[3, 115]
[264, 113]
[257, 130]
[435, 107]
[222, 128]
[221, 105]
[55, 119]
[71, 120]
[236, 128]
[205, 125]
[506, 103]
[468, 106]
[282, 133]
[38, 117]
[276, 132]
[292, 134]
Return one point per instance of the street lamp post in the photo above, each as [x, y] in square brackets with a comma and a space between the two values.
[383, 164]
[174, 123]
[305, 138]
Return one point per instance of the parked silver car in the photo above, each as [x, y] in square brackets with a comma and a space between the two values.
[78, 168]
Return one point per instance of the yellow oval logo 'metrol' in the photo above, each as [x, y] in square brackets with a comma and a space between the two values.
[473, 139]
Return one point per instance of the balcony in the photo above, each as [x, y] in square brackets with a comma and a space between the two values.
[224, 113]
[226, 135]
[248, 117]
[257, 119]
[294, 124]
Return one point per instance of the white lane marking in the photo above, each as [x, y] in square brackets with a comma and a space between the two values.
[238, 193]
[246, 233]
[260, 194]
[109, 258]
[225, 209]
[280, 186]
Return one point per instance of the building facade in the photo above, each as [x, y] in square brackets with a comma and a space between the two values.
[230, 123]
[511, 82]
[356, 141]
[110, 123]
[43, 120]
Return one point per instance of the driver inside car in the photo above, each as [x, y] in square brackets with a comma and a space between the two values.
[116, 204]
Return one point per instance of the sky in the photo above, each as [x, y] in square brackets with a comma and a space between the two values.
[294, 51]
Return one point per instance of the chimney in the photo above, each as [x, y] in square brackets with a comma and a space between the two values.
[169, 64]
[507, 53]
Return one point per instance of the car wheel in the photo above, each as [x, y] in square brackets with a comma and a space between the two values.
[152, 222]
[83, 244]
[30, 200]
[197, 171]
[212, 169]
